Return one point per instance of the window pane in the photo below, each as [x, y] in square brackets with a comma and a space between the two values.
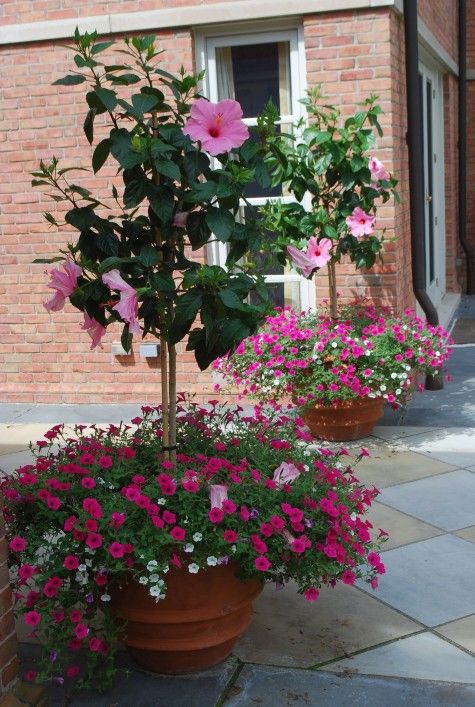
[282, 294]
[254, 73]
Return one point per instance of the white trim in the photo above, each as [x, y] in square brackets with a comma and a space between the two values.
[435, 48]
[470, 74]
[185, 16]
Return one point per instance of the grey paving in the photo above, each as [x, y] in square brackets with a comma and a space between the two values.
[431, 581]
[54, 414]
[446, 501]
[452, 445]
[287, 630]
[273, 687]
[425, 656]
[402, 528]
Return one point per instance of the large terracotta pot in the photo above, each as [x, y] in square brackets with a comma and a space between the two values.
[194, 627]
[352, 419]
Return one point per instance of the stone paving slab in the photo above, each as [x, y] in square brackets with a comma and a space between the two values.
[259, 686]
[399, 432]
[425, 656]
[467, 533]
[461, 632]
[431, 581]
[289, 631]
[446, 501]
[402, 528]
[450, 445]
[388, 466]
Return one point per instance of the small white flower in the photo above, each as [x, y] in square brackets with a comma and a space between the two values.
[353, 516]
[393, 375]
[408, 368]
[198, 537]
[165, 569]
[161, 501]
[106, 597]
[193, 568]
[334, 344]
[398, 391]
[233, 548]
[82, 568]
[154, 578]
[156, 592]
[152, 565]
[212, 561]
[88, 562]
[143, 580]
[189, 547]
[382, 387]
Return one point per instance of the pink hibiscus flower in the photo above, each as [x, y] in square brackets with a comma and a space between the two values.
[217, 495]
[64, 283]
[218, 126]
[95, 330]
[316, 256]
[128, 304]
[377, 169]
[360, 223]
[285, 474]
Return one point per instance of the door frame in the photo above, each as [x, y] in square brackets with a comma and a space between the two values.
[432, 70]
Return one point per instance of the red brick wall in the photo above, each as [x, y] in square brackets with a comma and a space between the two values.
[470, 123]
[441, 17]
[354, 54]
[46, 358]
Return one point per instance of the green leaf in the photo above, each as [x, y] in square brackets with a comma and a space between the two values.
[195, 163]
[163, 281]
[231, 300]
[100, 154]
[143, 103]
[69, 80]
[89, 125]
[316, 137]
[198, 230]
[201, 191]
[100, 47]
[126, 339]
[123, 79]
[221, 222]
[168, 169]
[149, 256]
[48, 260]
[162, 203]
[121, 148]
[330, 232]
[249, 149]
[108, 243]
[82, 218]
[113, 262]
[174, 135]
[187, 307]
[107, 97]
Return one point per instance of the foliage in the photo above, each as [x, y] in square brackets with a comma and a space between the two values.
[318, 360]
[329, 162]
[105, 507]
[174, 201]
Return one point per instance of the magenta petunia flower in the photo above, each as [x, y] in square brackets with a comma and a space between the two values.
[360, 223]
[377, 169]
[262, 563]
[316, 256]
[95, 330]
[128, 305]
[64, 283]
[32, 618]
[218, 126]
[17, 544]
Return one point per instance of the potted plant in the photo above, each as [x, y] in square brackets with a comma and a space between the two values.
[337, 182]
[341, 370]
[104, 530]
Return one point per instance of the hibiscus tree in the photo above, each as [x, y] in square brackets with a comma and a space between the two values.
[337, 182]
[181, 188]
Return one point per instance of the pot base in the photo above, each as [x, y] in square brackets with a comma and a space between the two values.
[194, 627]
[351, 420]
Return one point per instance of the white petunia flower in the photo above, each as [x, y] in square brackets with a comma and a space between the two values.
[152, 565]
[198, 537]
[212, 561]
[106, 597]
[193, 568]
[154, 578]
[189, 547]
[156, 592]
[161, 501]
[143, 580]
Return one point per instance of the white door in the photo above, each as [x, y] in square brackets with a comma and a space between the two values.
[432, 124]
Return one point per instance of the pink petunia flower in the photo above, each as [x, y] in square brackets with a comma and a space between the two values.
[17, 544]
[218, 126]
[32, 618]
[285, 474]
[316, 256]
[262, 563]
[64, 283]
[311, 594]
[377, 169]
[127, 307]
[95, 330]
[360, 223]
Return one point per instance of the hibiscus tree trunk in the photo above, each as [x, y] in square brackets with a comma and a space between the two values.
[332, 290]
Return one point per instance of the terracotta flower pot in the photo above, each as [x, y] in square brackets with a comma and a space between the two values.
[194, 627]
[352, 419]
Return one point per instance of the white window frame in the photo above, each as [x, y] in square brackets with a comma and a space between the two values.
[206, 45]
